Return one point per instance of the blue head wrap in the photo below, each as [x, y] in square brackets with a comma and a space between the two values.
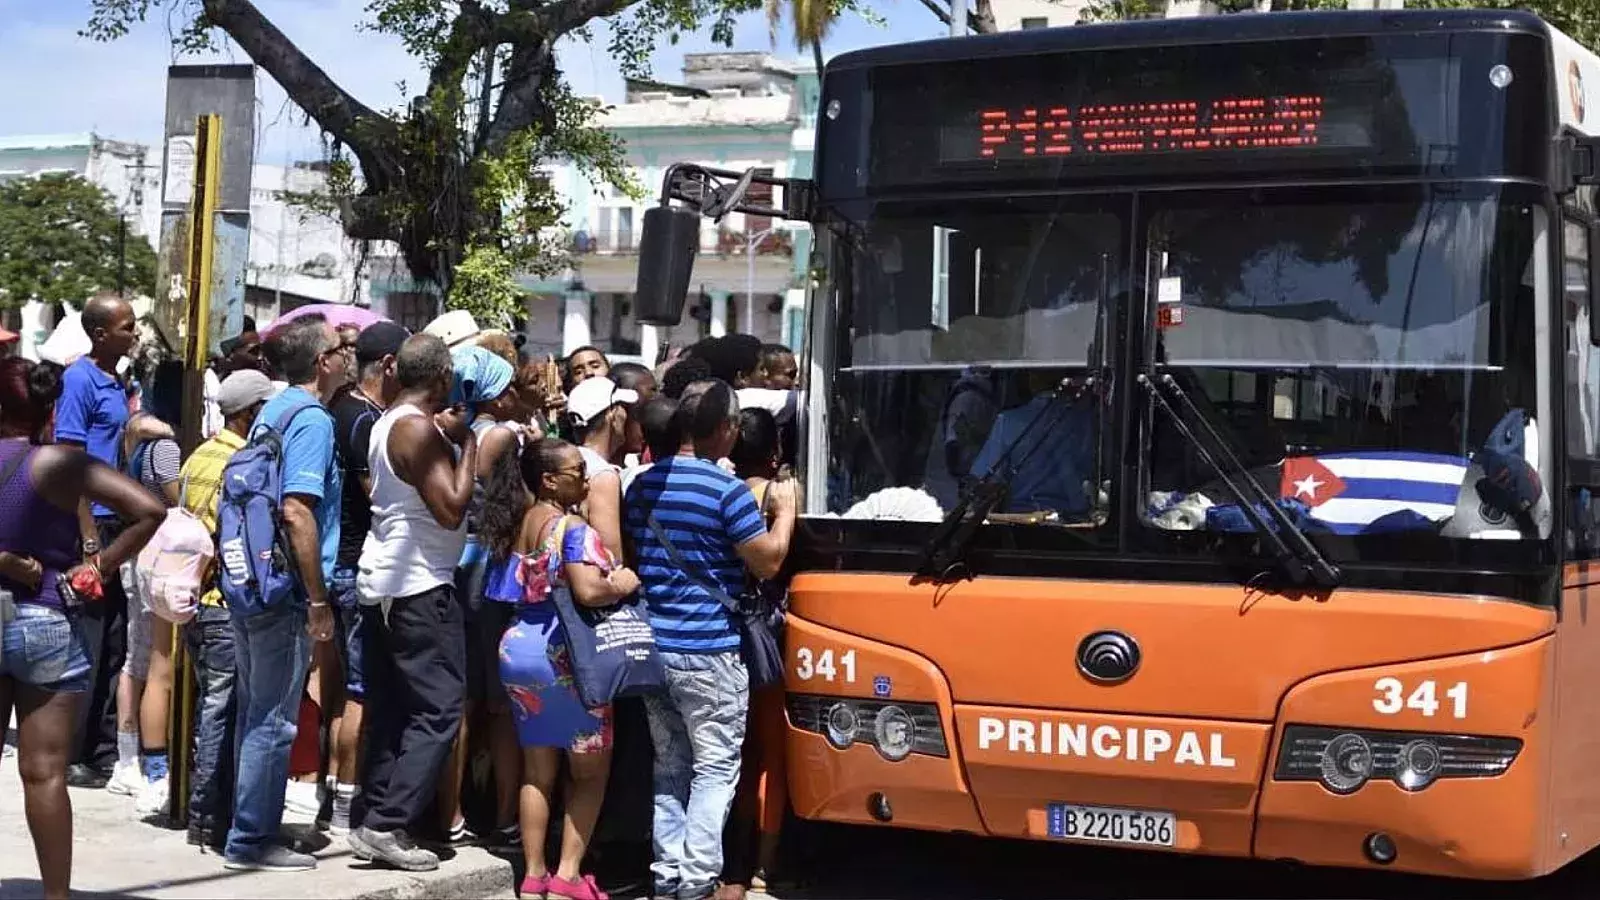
[480, 376]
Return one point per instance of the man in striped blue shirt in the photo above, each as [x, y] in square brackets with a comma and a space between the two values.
[716, 535]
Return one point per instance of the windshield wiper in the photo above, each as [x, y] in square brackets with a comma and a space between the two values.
[950, 542]
[1298, 557]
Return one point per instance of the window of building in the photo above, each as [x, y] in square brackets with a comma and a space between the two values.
[625, 228]
[1031, 22]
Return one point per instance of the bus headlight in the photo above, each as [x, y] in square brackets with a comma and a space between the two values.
[842, 725]
[1346, 763]
[894, 732]
[1419, 765]
[897, 729]
[1345, 759]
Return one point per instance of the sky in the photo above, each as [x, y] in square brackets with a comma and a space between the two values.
[59, 83]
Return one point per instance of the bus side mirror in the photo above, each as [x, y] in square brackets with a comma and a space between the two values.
[1576, 162]
[668, 244]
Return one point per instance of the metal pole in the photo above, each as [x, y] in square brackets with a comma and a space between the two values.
[122, 252]
[750, 243]
[958, 18]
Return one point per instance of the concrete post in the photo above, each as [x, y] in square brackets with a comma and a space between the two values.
[719, 313]
[575, 330]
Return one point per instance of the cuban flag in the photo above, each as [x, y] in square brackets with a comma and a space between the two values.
[1350, 491]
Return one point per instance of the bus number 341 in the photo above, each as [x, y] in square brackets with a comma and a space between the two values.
[1392, 697]
[821, 665]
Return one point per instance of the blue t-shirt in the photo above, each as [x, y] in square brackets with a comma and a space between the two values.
[308, 467]
[1052, 460]
[706, 513]
[92, 411]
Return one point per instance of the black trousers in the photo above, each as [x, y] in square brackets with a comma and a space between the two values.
[415, 659]
[105, 630]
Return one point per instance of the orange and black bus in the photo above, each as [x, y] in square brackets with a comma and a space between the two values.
[1200, 439]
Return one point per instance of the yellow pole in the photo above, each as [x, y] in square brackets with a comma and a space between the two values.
[197, 352]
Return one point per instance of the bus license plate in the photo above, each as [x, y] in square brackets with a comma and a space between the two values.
[1109, 825]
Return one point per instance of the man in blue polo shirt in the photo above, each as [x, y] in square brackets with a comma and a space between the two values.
[92, 413]
[271, 653]
[716, 531]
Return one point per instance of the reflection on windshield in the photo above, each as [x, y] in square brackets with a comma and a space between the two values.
[1360, 356]
[959, 324]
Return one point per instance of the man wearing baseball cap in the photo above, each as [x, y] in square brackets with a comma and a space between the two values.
[353, 416]
[597, 416]
[456, 328]
[210, 637]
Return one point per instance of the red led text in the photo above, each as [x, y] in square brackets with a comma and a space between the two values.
[1236, 123]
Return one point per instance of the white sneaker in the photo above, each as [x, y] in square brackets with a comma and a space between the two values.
[303, 798]
[339, 822]
[126, 779]
[153, 798]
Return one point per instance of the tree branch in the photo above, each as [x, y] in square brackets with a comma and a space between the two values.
[312, 89]
[982, 21]
[472, 30]
[519, 104]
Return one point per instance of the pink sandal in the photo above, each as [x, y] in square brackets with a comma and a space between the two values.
[584, 888]
[534, 887]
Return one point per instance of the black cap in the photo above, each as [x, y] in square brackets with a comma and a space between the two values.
[378, 340]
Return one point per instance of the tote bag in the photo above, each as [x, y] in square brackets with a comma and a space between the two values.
[612, 648]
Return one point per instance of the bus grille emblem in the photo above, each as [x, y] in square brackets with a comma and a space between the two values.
[1108, 657]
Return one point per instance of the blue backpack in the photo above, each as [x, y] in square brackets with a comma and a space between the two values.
[256, 568]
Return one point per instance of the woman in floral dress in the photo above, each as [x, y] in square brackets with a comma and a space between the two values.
[539, 547]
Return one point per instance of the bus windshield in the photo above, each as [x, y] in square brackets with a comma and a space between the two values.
[967, 346]
[1365, 352]
[1360, 350]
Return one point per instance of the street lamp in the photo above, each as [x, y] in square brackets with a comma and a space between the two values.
[750, 243]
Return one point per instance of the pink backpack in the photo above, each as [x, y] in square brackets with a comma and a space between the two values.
[171, 568]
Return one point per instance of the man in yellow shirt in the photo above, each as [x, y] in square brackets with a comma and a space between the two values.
[210, 634]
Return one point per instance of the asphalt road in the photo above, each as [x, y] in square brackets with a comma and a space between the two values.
[846, 863]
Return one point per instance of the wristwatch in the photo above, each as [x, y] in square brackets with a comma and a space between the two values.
[91, 547]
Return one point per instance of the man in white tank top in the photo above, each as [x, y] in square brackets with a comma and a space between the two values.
[416, 641]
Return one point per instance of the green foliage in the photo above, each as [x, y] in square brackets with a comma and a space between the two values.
[455, 177]
[59, 243]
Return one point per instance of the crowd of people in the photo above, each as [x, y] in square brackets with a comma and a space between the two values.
[442, 495]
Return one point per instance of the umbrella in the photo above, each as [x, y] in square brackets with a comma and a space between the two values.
[337, 314]
[66, 343]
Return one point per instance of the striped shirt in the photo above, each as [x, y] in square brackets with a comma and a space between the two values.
[706, 513]
[201, 478]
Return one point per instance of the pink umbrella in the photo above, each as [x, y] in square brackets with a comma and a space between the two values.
[337, 314]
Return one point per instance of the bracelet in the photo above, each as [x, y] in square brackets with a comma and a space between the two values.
[319, 605]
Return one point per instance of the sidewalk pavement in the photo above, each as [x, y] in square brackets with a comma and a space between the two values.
[115, 855]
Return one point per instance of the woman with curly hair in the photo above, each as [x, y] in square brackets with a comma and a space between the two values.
[538, 546]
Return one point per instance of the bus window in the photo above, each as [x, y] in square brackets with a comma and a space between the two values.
[1366, 337]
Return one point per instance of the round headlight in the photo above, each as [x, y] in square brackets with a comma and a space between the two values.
[842, 724]
[1346, 763]
[1418, 766]
[894, 732]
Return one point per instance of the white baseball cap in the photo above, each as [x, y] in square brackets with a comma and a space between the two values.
[591, 397]
[455, 328]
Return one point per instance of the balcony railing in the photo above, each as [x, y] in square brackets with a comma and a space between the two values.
[725, 242]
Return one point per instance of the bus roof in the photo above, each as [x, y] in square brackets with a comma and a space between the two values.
[1235, 27]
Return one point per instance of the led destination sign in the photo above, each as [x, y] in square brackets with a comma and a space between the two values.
[1173, 126]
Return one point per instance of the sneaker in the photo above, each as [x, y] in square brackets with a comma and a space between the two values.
[272, 859]
[153, 799]
[82, 776]
[392, 848]
[126, 780]
[460, 835]
[303, 798]
[582, 889]
[533, 887]
[507, 838]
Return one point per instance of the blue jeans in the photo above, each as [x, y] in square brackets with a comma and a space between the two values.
[44, 647]
[210, 640]
[271, 653]
[347, 613]
[697, 728]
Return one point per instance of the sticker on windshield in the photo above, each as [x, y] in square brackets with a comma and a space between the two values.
[1169, 316]
[1169, 290]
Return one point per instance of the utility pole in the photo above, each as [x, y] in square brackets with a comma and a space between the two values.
[135, 189]
[958, 17]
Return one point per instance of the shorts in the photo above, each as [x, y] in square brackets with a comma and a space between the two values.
[139, 636]
[347, 616]
[44, 648]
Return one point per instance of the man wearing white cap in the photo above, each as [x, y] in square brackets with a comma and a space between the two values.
[597, 413]
[456, 328]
